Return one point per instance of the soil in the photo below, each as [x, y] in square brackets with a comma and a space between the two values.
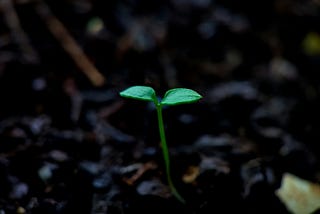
[70, 144]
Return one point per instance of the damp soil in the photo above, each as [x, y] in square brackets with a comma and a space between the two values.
[70, 144]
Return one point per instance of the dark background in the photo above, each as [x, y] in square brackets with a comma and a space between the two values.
[67, 140]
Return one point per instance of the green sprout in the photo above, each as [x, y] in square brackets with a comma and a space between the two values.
[172, 97]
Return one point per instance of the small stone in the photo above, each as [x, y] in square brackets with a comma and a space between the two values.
[102, 182]
[46, 171]
[19, 190]
[208, 141]
[242, 89]
[153, 187]
[58, 155]
[91, 167]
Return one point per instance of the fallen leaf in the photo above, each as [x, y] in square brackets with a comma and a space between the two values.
[299, 196]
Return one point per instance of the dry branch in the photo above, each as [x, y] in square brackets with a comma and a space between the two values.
[17, 33]
[69, 44]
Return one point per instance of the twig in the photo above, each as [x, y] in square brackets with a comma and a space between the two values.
[69, 44]
[20, 37]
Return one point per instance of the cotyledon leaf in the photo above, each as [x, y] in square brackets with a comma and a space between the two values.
[178, 96]
[139, 93]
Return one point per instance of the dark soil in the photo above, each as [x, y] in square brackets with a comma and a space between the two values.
[71, 144]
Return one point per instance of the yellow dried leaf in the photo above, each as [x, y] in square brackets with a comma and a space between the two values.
[299, 196]
[191, 174]
[311, 44]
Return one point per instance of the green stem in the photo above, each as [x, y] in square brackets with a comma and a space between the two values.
[165, 152]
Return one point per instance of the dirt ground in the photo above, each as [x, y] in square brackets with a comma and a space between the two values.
[70, 144]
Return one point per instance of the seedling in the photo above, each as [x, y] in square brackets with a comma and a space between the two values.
[172, 97]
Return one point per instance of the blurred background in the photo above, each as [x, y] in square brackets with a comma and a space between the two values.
[66, 137]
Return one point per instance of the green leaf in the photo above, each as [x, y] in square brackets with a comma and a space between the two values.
[139, 93]
[178, 96]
